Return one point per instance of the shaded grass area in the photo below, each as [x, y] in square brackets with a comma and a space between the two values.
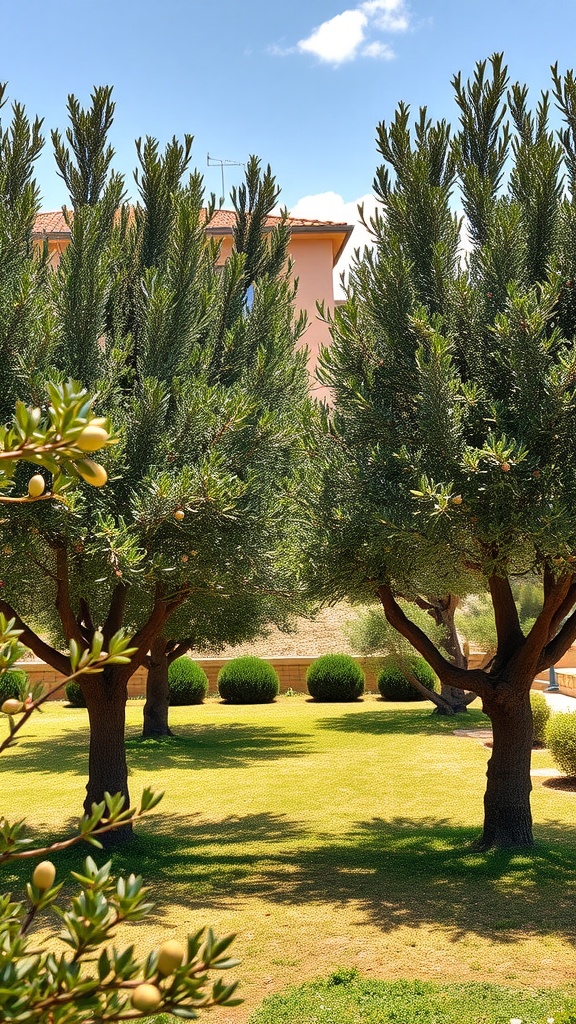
[325, 835]
[346, 998]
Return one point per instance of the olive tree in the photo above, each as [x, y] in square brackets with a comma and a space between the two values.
[450, 448]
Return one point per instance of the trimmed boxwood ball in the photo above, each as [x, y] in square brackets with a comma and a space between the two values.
[248, 680]
[561, 738]
[540, 716]
[335, 677]
[13, 683]
[74, 695]
[187, 681]
[393, 684]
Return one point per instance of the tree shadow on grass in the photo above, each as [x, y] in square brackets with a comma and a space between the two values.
[420, 874]
[65, 752]
[426, 873]
[184, 859]
[195, 748]
[413, 720]
[216, 746]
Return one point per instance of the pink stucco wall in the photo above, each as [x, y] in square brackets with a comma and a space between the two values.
[313, 267]
[312, 257]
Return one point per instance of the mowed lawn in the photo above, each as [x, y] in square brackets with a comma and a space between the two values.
[327, 836]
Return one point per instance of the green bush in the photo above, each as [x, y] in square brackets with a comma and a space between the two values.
[393, 684]
[561, 738]
[540, 715]
[335, 677]
[74, 694]
[13, 683]
[187, 681]
[248, 680]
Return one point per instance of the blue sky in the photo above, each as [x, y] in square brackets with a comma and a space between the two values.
[301, 83]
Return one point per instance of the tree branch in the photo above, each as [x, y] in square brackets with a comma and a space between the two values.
[555, 595]
[463, 679]
[116, 611]
[85, 622]
[58, 661]
[561, 643]
[63, 605]
[510, 636]
[145, 636]
[182, 648]
[563, 611]
[436, 698]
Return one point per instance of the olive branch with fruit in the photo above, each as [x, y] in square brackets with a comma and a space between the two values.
[91, 981]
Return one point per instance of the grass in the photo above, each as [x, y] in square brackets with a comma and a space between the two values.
[346, 998]
[327, 836]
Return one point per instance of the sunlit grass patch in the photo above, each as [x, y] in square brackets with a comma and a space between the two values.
[325, 835]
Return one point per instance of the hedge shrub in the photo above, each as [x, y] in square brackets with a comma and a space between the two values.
[13, 683]
[248, 680]
[393, 684]
[187, 681]
[335, 677]
[561, 738]
[540, 716]
[74, 695]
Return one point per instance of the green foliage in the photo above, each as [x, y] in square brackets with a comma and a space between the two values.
[188, 682]
[345, 997]
[248, 680]
[561, 739]
[75, 695]
[335, 677]
[13, 683]
[449, 450]
[393, 683]
[540, 716]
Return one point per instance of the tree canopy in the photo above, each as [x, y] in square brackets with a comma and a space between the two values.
[202, 383]
[447, 461]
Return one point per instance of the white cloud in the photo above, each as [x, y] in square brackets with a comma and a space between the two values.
[337, 40]
[379, 50]
[389, 15]
[331, 206]
[349, 35]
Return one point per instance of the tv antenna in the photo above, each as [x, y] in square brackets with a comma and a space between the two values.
[212, 161]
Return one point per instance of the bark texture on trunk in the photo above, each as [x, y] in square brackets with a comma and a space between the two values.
[507, 814]
[106, 696]
[157, 692]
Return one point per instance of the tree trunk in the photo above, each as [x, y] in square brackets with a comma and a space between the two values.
[507, 814]
[443, 610]
[455, 701]
[157, 692]
[106, 695]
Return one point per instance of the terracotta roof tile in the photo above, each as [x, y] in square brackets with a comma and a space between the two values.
[54, 222]
[51, 223]
[222, 223]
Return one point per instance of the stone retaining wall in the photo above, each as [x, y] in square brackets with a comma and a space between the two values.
[292, 673]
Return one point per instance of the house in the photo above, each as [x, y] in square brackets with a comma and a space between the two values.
[315, 248]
